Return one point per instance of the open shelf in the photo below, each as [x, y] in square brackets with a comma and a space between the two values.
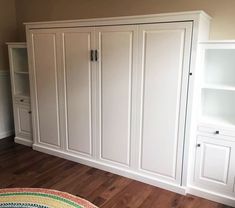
[228, 122]
[21, 84]
[218, 107]
[20, 59]
[219, 67]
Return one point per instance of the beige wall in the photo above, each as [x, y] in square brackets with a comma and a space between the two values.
[222, 11]
[8, 29]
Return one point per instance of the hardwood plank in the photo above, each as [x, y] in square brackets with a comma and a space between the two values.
[23, 167]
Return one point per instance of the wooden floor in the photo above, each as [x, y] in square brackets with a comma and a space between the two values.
[22, 167]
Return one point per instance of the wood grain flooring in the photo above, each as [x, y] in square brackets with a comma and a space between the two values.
[22, 167]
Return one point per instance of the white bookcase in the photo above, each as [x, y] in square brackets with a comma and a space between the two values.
[218, 84]
[18, 60]
[214, 149]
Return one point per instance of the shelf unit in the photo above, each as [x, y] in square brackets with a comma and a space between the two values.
[213, 136]
[18, 59]
[217, 84]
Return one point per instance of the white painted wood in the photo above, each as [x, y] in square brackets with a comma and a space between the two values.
[6, 116]
[77, 44]
[45, 71]
[200, 23]
[117, 49]
[195, 16]
[210, 195]
[20, 92]
[214, 169]
[23, 141]
[23, 121]
[103, 165]
[164, 50]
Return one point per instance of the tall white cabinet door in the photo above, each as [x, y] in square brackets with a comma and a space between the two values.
[215, 165]
[164, 60]
[43, 46]
[117, 55]
[77, 46]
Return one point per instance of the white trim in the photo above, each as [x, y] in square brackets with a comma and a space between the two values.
[126, 172]
[16, 44]
[139, 19]
[218, 42]
[230, 201]
[7, 134]
[23, 141]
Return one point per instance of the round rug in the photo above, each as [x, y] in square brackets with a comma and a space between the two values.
[40, 198]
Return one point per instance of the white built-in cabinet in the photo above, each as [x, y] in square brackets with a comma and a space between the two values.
[213, 141]
[113, 93]
[18, 60]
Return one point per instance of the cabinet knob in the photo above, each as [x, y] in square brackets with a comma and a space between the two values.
[21, 100]
[30, 112]
[198, 145]
[216, 132]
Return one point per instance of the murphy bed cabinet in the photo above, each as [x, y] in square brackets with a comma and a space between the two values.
[18, 60]
[119, 94]
[213, 141]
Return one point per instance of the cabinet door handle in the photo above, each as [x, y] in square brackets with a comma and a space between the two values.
[198, 145]
[21, 100]
[216, 132]
[96, 55]
[92, 55]
[30, 112]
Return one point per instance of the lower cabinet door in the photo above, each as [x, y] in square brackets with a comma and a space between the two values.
[23, 121]
[215, 165]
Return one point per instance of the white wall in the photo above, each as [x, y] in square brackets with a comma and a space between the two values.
[6, 118]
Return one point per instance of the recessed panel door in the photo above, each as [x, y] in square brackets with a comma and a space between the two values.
[116, 60]
[164, 61]
[44, 47]
[215, 168]
[79, 70]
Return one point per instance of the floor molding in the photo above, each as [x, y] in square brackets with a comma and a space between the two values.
[116, 170]
[211, 196]
[22, 141]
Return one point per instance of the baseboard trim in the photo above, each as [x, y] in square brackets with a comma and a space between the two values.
[230, 201]
[6, 134]
[23, 141]
[113, 169]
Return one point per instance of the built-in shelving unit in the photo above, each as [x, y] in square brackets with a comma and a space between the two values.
[18, 59]
[20, 75]
[218, 84]
[213, 138]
